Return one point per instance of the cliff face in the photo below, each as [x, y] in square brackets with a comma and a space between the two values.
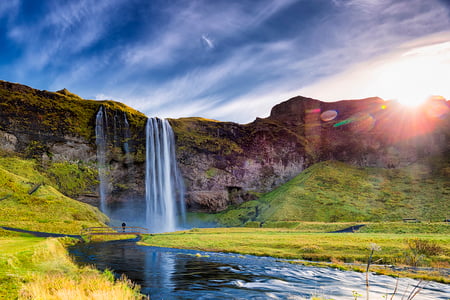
[227, 163]
[60, 128]
[222, 163]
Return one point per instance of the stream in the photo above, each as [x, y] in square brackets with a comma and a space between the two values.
[165, 273]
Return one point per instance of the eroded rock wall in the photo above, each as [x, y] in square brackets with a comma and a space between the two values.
[60, 127]
[227, 163]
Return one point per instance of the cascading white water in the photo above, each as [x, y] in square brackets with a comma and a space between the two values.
[100, 140]
[164, 188]
[127, 138]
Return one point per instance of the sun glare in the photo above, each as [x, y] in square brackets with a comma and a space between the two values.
[413, 77]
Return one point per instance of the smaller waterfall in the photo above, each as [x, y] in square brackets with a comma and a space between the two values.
[164, 188]
[127, 139]
[101, 142]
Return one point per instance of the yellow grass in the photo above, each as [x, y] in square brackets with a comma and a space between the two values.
[36, 268]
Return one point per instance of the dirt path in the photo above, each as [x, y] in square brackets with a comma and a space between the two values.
[41, 234]
[349, 229]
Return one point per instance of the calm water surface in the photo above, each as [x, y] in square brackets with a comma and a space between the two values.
[165, 273]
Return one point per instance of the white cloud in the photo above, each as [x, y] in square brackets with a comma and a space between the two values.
[281, 72]
[248, 79]
[67, 28]
[208, 41]
[408, 74]
[189, 21]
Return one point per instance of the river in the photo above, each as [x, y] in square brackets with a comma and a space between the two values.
[165, 273]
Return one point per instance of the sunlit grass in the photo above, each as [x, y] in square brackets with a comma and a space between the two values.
[332, 191]
[36, 268]
[46, 209]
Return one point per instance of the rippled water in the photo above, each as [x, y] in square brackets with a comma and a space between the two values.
[165, 273]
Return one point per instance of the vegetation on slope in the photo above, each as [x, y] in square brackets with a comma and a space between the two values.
[26, 109]
[337, 192]
[37, 268]
[205, 135]
[45, 208]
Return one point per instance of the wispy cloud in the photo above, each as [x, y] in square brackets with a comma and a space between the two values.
[212, 59]
[67, 29]
[265, 73]
[208, 41]
[187, 22]
[409, 74]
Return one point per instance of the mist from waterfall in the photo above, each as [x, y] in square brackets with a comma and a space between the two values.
[101, 142]
[164, 187]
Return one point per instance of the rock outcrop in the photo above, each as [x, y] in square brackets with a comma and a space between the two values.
[222, 163]
[226, 163]
[55, 127]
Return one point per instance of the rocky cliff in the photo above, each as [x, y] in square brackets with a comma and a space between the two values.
[222, 163]
[226, 163]
[58, 129]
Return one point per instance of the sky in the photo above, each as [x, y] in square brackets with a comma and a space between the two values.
[229, 60]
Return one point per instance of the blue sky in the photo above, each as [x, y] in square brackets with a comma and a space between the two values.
[227, 60]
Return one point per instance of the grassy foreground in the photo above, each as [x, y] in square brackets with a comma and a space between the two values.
[36, 268]
[410, 249]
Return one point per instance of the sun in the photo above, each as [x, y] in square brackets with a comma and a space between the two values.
[413, 77]
[406, 82]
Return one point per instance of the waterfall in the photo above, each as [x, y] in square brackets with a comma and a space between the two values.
[101, 142]
[127, 138]
[164, 188]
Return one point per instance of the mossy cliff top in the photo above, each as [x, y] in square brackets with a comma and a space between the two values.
[57, 114]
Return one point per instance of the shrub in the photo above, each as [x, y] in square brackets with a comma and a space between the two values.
[424, 247]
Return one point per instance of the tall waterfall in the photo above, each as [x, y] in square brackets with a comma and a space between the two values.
[101, 142]
[164, 188]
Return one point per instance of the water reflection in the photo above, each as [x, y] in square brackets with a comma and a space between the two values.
[185, 274]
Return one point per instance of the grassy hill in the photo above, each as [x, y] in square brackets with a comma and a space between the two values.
[45, 209]
[337, 192]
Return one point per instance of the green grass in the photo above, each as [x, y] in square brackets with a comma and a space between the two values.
[36, 268]
[337, 192]
[73, 179]
[60, 111]
[203, 135]
[44, 210]
[297, 244]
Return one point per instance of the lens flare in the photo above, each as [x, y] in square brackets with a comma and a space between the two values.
[328, 115]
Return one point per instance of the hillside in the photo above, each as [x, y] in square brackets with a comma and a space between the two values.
[60, 127]
[29, 201]
[226, 163]
[332, 191]
[222, 163]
